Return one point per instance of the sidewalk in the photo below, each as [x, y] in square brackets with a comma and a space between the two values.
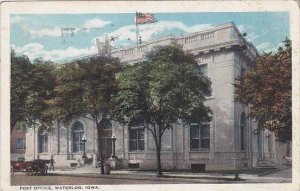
[89, 171]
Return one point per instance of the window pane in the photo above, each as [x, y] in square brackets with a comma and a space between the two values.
[133, 134]
[75, 147]
[141, 145]
[42, 141]
[205, 130]
[205, 136]
[77, 127]
[80, 137]
[77, 141]
[202, 69]
[20, 143]
[141, 133]
[194, 131]
[194, 144]
[132, 145]
[76, 136]
[40, 145]
[46, 143]
[194, 137]
[136, 139]
[205, 143]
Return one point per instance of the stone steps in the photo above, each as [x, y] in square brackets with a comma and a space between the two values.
[263, 163]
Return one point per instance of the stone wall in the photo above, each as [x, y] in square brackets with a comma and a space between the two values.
[60, 144]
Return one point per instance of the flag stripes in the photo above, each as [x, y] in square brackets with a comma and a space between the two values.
[144, 18]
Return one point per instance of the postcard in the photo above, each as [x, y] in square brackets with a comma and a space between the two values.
[150, 95]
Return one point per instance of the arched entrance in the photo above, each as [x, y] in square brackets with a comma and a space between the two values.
[106, 138]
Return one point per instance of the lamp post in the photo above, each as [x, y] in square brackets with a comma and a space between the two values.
[113, 146]
[84, 139]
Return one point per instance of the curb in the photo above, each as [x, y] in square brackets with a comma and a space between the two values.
[146, 177]
[271, 172]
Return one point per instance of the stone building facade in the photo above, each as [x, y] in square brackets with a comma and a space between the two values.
[230, 141]
[17, 144]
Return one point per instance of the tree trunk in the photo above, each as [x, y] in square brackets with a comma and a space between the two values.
[12, 126]
[159, 171]
[158, 149]
[99, 132]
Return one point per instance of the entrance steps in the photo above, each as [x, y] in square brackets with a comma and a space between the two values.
[263, 163]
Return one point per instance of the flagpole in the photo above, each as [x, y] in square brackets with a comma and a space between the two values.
[136, 29]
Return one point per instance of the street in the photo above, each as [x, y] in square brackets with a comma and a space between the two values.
[22, 179]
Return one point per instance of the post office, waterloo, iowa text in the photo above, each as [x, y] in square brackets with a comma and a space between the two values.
[75, 187]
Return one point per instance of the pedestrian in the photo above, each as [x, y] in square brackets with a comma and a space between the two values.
[51, 163]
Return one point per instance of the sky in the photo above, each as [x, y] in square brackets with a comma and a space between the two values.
[61, 37]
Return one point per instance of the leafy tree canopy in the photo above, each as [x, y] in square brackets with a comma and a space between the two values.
[85, 89]
[165, 88]
[268, 89]
[32, 85]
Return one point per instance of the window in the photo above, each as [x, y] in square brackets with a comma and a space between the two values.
[202, 69]
[136, 139]
[77, 133]
[43, 140]
[243, 131]
[199, 136]
[20, 143]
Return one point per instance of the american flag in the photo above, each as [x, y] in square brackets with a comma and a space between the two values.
[143, 18]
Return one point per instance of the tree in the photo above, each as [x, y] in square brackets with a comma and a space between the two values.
[32, 85]
[162, 90]
[267, 88]
[44, 82]
[85, 89]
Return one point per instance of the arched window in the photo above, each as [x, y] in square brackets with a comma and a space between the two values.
[77, 133]
[243, 131]
[43, 140]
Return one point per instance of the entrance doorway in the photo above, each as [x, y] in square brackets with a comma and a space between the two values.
[106, 139]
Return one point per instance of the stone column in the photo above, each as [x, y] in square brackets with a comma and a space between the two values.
[113, 147]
